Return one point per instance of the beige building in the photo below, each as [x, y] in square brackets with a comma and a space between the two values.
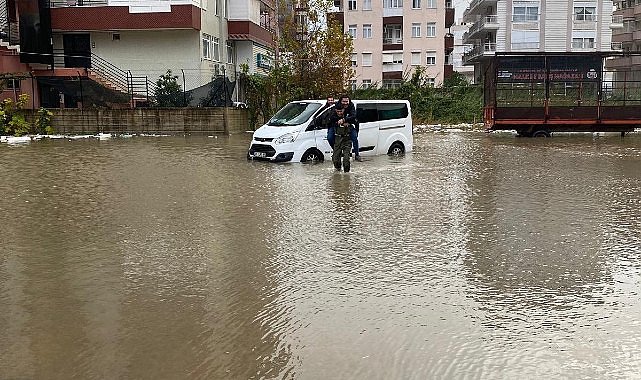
[394, 37]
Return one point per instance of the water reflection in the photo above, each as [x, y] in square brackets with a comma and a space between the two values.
[476, 256]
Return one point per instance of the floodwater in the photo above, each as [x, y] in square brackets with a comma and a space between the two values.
[478, 256]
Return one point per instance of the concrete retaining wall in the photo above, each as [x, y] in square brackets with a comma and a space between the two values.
[174, 121]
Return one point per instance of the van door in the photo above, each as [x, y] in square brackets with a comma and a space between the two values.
[394, 125]
[367, 115]
[320, 131]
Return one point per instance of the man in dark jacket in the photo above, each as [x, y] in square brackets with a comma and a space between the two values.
[349, 111]
[343, 143]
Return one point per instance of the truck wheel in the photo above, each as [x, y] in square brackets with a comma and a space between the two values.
[396, 149]
[541, 133]
[312, 155]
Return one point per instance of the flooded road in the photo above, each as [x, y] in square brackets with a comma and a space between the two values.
[476, 256]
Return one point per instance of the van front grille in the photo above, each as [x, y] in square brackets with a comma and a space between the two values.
[267, 149]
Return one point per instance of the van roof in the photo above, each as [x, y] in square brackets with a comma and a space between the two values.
[323, 101]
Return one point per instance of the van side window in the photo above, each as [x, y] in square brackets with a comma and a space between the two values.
[392, 111]
[320, 121]
[366, 113]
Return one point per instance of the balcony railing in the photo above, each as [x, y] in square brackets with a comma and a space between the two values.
[517, 46]
[9, 30]
[118, 3]
[583, 45]
[488, 48]
[487, 22]
[77, 3]
[392, 41]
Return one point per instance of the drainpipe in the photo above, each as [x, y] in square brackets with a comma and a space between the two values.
[184, 89]
[82, 100]
[33, 92]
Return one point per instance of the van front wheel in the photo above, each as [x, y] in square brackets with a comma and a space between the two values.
[396, 149]
[312, 155]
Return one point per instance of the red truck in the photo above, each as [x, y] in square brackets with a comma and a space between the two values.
[540, 93]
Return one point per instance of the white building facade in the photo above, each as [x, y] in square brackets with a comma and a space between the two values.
[535, 26]
[198, 40]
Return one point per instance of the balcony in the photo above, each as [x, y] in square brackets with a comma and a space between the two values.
[449, 17]
[392, 12]
[622, 37]
[95, 17]
[617, 22]
[524, 46]
[449, 43]
[482, 26]
[476, 8]
[248, 31]
[338, 17]
[479, 52]
[448, 71]
[625, 62]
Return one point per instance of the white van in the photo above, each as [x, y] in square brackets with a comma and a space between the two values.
[295, 132]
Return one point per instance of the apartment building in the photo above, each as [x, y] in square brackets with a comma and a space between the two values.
[116, 42]
[626, 36]
[394, 37]
[535, 26]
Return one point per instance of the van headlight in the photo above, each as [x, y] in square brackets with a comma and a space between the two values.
[286, 138]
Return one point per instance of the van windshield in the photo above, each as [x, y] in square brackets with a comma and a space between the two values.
[294, 114]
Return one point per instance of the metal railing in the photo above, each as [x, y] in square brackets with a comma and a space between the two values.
[108, 74]
[9, 31]
[76, 3]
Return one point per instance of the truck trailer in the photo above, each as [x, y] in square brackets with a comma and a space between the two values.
[540, 93]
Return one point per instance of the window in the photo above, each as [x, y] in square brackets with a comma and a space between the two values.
[392, 3]
[12, 84]
[352, 84]
[351, 5]
[367, 83]
[416, 4]
[367, 31]
[416, 29]
[583, 43]
[393, 34]
[431, 29]
[392, 58]
[525, 12]
[431, 82]
[416, 58]
[230, 52]
[216, 49]
[431, 3]
[206, 46]
[354, 59]
[367, 59]
[391, 83]
[367, 5]
[352, 31]
[525, 39]
[216, 6]
[430, 58]
[584, 13]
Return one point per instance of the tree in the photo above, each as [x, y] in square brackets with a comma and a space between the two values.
[313, 61]
[315, 50]
[169, 93]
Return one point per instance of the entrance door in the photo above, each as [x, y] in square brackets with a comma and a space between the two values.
[77, 50]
